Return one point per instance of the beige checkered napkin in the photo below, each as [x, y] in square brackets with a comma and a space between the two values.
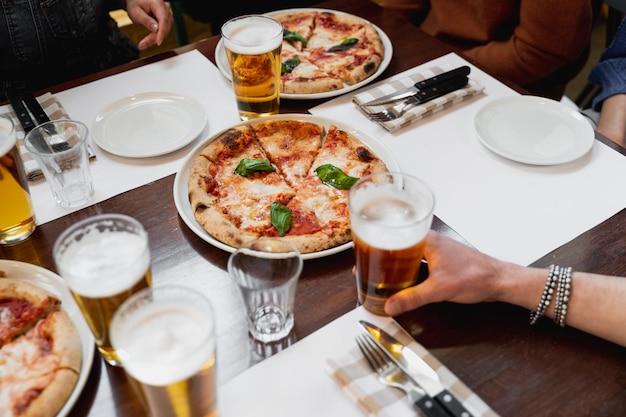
[420, 111]
[354, 376]
[55, 111]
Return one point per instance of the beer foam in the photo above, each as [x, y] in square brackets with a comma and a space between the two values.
[253, 36]
[164, 342]
[385, 219]
[105, 264]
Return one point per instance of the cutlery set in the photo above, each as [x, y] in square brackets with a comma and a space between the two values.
[421, 92]
[400, 367]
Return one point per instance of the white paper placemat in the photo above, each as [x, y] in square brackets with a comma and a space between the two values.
[510, 210]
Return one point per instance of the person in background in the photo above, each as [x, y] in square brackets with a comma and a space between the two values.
[538, 45]
[592, 303]
[610, 74]
[43, 43]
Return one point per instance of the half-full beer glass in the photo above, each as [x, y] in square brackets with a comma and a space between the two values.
[165, 338]
[17, 218]
[253, 45]
[390, 215]
[104, 259]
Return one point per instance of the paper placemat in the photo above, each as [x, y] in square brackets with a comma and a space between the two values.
[55, 111]
[419, 111]
[352, 373]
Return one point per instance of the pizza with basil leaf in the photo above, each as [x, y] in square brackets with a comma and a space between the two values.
[324, 50]
[279, 178]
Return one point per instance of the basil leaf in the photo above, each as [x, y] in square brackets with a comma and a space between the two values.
[333, 176]
[289, 65]
[290, 36]
[344, 45]
[249, 166]
[281, 218]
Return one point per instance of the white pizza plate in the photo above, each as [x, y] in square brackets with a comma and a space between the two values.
[533, 130]
[148, 124]
[222, 60]
[55, 285]
[181, 195]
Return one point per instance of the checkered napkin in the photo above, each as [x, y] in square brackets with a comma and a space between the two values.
[352, 373]
[416, 112]
[55, 111]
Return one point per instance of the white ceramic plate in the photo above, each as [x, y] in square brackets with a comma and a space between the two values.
[534, 130]
[181, 195]
[222, 61]
[54, 284]
[148, 124]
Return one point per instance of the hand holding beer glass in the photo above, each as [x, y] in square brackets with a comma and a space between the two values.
[390, 215]
[253, 45]
[165, 338]
[17, 218]
[104, 259]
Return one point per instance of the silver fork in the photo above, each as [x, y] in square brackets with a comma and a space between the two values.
[389, 374]
[392, 113]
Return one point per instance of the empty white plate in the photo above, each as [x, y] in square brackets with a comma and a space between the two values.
[148, 124]
[534, 130]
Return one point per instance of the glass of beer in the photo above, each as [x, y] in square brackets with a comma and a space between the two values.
[165, 338]
[104, 259]
[253, 44]
[390, 216]
[17, 218]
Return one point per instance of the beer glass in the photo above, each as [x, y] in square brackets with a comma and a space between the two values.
[253, 45]
[17, 218]
[104, 259]
[165, 338]
[390, 216]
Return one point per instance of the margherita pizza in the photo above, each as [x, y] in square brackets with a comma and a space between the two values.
[279, 178]
[324, 50]
[40, 351]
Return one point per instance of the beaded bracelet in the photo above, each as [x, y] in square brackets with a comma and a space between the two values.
[546, 295]
[562, 296]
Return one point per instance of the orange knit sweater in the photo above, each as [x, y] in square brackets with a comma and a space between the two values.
[538, 44]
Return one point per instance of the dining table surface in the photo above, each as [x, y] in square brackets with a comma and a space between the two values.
[517, 369]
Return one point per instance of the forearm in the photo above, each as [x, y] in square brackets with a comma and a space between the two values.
[596, 303]
[612, 122]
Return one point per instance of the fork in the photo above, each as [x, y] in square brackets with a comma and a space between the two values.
[392, 113]
[389, 374]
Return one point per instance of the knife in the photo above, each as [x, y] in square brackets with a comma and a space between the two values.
[427, 84]
[418, 370]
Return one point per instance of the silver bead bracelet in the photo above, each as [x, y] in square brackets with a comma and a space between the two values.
[561, 279]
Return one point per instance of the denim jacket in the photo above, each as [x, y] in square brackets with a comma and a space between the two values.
[45, 42]
[610, 72]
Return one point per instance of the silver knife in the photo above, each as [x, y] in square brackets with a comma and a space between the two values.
[424, 85]
[417, 369]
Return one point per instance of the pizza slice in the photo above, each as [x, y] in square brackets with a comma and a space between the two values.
[232, 186]
[291, 145]
[298, 27]
[39, 367]
[21, 307]
[300, 76]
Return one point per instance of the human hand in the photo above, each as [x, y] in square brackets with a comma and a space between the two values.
[155, 15]
[456, 272]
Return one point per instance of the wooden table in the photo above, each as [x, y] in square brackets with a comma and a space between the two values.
[517, 369]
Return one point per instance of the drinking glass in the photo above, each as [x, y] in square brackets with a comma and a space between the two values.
[60, 149]
[267, 271]
[165, 339]
[390, 215]
[104, 259]
[17, 217]
[253, 44]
